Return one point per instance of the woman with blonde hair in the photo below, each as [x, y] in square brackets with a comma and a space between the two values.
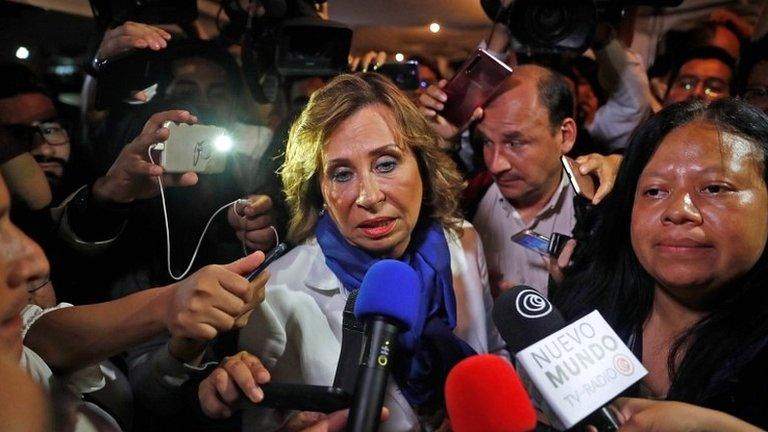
[365, 180]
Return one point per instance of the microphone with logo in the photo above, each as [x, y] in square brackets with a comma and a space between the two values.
[388, 302]
[571, 371]
[484, 394]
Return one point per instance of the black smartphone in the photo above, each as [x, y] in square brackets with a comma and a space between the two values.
[304, 397]
[274, 254]
[405, 75]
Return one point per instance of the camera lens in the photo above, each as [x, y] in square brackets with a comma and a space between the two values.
[554, 21]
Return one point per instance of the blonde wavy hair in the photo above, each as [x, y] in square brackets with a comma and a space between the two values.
[328, 107]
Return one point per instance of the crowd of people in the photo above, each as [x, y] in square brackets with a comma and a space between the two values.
[119, 311]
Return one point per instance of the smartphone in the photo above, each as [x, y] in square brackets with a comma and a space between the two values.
[405, 75]
[532, 240]
[543, 245]
[472, 86]
[584, 185]
[304, 397]
[197, 148]
[274, 254]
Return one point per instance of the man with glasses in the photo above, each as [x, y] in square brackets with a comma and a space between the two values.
[49, 145]
[30, 118]
[704, 73]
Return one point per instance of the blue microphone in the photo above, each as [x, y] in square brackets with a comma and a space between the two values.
[388, 302]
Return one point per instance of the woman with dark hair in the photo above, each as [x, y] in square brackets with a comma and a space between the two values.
[677, 264]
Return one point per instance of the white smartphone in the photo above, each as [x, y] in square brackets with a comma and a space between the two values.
[584, 185]
[197, 148]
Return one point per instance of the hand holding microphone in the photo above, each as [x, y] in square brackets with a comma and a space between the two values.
[212, 301]
[238, 375]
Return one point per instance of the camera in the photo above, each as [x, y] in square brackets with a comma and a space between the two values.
[289, 40]
[560, 25]
[405, 75]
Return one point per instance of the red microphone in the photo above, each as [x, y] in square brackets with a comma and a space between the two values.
[484, 394]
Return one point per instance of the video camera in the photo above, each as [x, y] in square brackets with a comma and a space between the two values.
[560, 25]
[289, 39]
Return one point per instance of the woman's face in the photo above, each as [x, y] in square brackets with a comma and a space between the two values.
[700, 217]
[372, 188]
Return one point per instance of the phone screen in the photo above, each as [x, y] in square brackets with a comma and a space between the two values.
[533, 241]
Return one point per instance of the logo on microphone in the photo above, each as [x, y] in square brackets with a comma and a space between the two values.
[623, 365]
[531, 304]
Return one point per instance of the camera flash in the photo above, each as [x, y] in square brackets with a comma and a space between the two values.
[223, 143]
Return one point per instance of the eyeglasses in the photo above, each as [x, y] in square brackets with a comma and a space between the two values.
[36, 284]
[53, 132]
[713, 87]
[752, 93]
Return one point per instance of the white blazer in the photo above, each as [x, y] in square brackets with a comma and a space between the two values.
[297, 330]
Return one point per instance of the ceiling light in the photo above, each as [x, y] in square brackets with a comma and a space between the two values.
[22, 53]
[399, 57]
[434, 27]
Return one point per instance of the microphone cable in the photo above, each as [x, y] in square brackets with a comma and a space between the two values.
[167, 229]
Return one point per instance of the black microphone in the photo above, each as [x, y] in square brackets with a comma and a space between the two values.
[352, 338]
[388, 303]
[523, 317]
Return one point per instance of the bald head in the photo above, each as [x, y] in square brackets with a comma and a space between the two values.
[543, 86]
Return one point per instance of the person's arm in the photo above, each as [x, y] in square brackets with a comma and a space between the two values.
[96, 214]
[195, 309]
[644, 415]
[432, 102]
[622, 75]
[26, 180]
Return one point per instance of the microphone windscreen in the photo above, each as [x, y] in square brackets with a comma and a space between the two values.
[484, 394]
[390, 288]
[523, 317]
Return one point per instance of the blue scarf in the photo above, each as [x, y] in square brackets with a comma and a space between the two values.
[430, 349]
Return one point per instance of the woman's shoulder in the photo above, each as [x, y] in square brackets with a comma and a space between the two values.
[296, 264]
[464, 240]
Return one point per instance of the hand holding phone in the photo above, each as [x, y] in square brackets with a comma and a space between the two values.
[583, 185]
[273, 255]
[474, 83]
[194, 148]
[547, 246]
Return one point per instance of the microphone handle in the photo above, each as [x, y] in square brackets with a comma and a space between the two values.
[372, 375]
